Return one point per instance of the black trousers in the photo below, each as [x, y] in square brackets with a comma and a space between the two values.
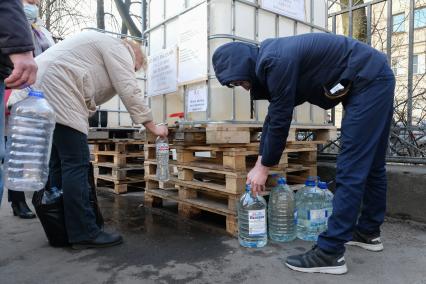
[69, 166]
[15, 196]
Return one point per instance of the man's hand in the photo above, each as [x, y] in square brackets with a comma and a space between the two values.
[257, 176]
[24, 70]
[158, 130]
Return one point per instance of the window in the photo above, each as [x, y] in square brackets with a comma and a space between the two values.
[398, 21]
[419, 63]
[397, 68]
[420, 18]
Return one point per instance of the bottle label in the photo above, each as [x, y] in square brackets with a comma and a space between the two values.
[257, 222]
[162, 148]
[317, 216]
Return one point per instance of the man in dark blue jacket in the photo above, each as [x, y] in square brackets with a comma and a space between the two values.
[323, 69]
[17, 66]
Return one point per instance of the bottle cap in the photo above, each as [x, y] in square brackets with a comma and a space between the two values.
[310, 181]
[282, 181]
[37, 94]
[322, 185]
[248, 188]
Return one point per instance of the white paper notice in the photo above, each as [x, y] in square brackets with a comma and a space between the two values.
[162, 72]
[291, 8]
[257, 222]
[192, 42]
[197, 99]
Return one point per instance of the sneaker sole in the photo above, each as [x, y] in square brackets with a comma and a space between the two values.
[90, 246]
[378, 247]
[336, 270]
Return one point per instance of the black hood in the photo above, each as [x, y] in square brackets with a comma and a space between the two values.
[236, 61]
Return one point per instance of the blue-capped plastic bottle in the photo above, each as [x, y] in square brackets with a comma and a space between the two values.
[311, 212]
[328, 200]
[252, 220]
[281, 209]
[29, 143]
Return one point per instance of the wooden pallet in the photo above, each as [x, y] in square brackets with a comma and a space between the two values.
[318, 133]
[192, 202]
[245, 133]
[118, 159]
[120, 186]
[118, 146]
[215, 157]
[97, 133]
[119, 173]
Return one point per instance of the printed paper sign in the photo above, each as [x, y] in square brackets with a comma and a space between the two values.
[162, 72]
[257, 222]
[197, 99]
[192, 42]
[291, 8]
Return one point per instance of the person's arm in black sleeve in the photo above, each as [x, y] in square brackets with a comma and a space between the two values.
[16, 46]
[264, 131]
[15, 33]
[282, 80]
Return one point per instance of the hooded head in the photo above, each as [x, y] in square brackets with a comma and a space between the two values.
[236, 61]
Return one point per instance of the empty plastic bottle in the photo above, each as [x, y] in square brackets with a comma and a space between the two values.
[311, 212]
[281, 207]
[328, 200]
[162, 154]
[252, 220]
[29, 143]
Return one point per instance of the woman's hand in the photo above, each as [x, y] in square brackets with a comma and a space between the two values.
[158, 130]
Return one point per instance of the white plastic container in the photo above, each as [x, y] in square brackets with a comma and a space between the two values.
[30, 134]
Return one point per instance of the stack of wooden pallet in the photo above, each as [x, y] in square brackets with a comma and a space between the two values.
[210, 165]
[119, 164]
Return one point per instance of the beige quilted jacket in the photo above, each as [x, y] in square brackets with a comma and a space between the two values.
[86, 70]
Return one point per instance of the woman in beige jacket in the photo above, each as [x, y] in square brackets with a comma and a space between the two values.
[76, 75]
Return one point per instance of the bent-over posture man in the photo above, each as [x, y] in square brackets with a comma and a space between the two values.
[323, 69]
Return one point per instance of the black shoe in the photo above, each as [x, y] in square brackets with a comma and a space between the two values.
[368, 242]
[22, 210]
[103, 240]
[317, 260]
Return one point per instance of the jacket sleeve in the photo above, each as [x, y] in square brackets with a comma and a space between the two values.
[120, 67]
[264, 133]
[15, 33]
[281, 79]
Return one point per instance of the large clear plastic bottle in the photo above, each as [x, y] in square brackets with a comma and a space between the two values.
[281, 209]
[328, 200]
[29, 143]
[311, 212]
[162, 154]
[252, 220]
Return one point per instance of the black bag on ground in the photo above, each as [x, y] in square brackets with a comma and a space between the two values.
[52, 217]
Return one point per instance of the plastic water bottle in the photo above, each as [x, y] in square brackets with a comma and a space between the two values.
[281, 208]
[162, 153]
[252, 220]
[311, 212]
[328, 200]
[31, 126]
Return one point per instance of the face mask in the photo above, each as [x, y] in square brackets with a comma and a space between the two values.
[31, 12]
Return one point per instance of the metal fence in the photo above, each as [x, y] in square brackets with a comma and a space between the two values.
[398, 28]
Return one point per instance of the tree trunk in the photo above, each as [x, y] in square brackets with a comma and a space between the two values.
[124, 28]
[48, 14]
[100, 14]
[127, 20]
[359, 22]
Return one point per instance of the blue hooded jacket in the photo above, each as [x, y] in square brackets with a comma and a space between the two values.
[292, 70]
